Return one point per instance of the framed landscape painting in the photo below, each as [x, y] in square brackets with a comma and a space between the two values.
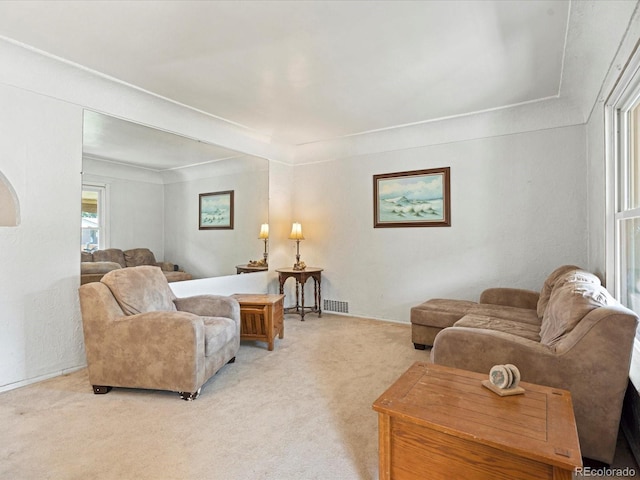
[419, 198]
[216, 210]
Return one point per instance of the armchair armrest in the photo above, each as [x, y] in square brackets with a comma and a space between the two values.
[158, 336]
[210, 306]
[159, 350]
[511, 297]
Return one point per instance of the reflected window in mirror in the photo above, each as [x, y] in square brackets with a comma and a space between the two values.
[93, 217]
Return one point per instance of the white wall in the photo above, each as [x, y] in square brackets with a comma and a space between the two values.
[518, 206]
[40, 155]
[209, 253]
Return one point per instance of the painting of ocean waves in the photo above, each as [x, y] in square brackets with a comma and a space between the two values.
[402, 209]
[418, 198]
[216, 210]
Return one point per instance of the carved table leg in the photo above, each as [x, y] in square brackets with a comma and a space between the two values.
[319, 297]
[302, 296]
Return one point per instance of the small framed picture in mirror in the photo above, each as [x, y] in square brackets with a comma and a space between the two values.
[216, 211]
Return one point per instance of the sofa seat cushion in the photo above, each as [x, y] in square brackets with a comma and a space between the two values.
[110, 255]
[218, 331]
[440, 312]
[569, 303]
[520, 329]
[88, 268]
[523, 315]
[140, 289]
[139, 256]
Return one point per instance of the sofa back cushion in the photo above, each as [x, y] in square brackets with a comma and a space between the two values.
[569, 303]
[549, 283]
[139, 256]
[140, 289]
[86, 257]
[110, 255]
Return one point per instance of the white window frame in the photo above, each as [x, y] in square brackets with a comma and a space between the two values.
[623, 97]
[103, 211]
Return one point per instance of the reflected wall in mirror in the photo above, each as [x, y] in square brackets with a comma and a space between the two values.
[153, 179]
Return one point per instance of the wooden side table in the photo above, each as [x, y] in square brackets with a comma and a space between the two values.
[440, 422]
[249, 269]
[301, 277]
[261, 317]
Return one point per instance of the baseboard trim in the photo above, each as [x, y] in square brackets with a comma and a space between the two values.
[24, 383]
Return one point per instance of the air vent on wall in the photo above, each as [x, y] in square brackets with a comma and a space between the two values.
[336, 306]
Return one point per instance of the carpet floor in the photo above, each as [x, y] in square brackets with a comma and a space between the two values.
[302, 411]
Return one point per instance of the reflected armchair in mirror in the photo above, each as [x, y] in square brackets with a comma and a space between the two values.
[95, 265]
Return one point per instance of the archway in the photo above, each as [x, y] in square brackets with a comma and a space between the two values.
[9, 205]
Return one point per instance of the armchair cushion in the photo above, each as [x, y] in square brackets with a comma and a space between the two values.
[140, 289]
[218, 331]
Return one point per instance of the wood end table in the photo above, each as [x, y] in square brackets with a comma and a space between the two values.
[440, 422]
[261, 316]
[250, 269]
[301, 277]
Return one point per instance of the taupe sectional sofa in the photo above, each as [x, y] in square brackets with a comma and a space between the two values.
[572, 335]
[95, 265]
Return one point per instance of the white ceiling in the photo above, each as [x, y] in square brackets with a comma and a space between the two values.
[308, 71]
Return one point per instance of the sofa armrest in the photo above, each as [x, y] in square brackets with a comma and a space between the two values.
[210, 306]
[165, 266]
[511, 297]
[478, 350]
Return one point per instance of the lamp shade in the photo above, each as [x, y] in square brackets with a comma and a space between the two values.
[264, 230]
[296, 232]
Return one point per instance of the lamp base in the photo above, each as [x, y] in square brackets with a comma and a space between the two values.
[299, 266]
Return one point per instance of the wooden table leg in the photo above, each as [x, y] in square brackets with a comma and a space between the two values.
[319, 296]
[302, 310]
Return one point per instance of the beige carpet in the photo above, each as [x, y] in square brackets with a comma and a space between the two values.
[300, 412]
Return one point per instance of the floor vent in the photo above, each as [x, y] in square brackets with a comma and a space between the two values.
[336, 306]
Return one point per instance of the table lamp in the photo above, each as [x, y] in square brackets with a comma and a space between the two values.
[296, 234]
[264, 235]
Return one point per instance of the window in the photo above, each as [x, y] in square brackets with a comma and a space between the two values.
[93, 213]
[623, 182]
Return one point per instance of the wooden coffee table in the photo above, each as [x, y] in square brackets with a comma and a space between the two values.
[261, 316]
[438, 422]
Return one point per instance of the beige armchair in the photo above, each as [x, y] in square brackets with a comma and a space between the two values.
[139, 335]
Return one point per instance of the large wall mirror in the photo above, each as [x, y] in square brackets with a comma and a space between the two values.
[146, 184]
